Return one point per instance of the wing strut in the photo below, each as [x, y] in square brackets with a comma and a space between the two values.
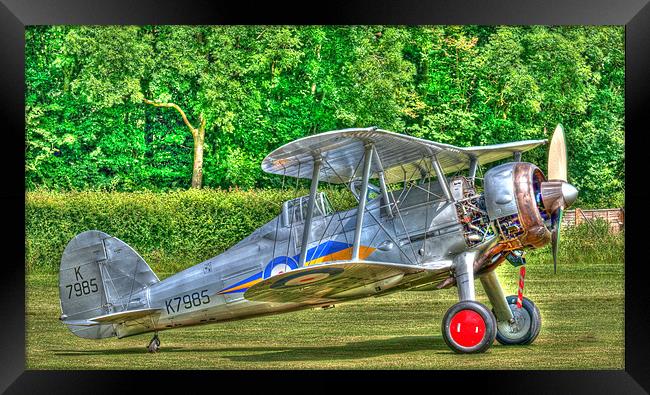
[310, 211]
[441, 178]
[382, 185]
[367, 160]
[473, 165]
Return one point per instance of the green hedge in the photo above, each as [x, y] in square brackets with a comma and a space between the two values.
[175, 230]
[171, 230]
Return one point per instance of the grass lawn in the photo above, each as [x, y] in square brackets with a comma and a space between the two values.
[582, 310]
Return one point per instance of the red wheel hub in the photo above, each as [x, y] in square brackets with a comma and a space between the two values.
[467, 328]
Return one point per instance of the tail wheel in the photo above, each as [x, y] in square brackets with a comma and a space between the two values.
[526, 326]
[469, 327]
[154, 344]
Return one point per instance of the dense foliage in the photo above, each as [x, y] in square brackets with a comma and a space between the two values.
[259, 87]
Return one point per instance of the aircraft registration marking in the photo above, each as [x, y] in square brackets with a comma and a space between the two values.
[190, 301]
[81, 286]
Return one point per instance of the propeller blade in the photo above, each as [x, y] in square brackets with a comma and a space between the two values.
[557, 159]
[557, 193]
[556, 221]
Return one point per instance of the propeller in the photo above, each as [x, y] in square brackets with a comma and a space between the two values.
[557, 160]
[556, 223]
[557, 193]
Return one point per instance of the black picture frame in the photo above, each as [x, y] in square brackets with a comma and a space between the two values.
[15, 15]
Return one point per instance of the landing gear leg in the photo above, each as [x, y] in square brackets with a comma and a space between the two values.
[514, 325]
[154, 344]
[497, 298]
[464, 273]
[468, 326]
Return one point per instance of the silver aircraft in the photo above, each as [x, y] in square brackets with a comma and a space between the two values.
[428, 223]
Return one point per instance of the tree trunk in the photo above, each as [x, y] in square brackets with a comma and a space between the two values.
[197, 169]
[198, 134]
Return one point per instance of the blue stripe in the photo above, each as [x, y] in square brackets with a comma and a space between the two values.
[329, 247]
[244, 281]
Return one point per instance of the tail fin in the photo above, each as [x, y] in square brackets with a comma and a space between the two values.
[100, 275]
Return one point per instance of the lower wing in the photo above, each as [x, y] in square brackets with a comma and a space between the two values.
[336, 281]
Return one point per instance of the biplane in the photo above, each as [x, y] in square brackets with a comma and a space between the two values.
[424, 221]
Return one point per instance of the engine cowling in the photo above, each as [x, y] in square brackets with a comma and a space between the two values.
[513, 199]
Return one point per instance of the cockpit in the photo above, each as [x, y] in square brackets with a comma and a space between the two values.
[294, 211]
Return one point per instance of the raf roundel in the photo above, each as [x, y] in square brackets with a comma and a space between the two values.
[307, 278]
[279, 265]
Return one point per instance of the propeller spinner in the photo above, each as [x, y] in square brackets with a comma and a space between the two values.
[557, 193]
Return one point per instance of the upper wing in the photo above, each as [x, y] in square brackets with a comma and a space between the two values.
[492, 153]
[337, 281]
[401, 156]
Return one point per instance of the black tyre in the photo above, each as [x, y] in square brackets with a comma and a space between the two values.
[154, 344]
[528, 323]
[469, 327]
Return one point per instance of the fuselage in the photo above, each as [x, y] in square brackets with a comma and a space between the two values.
[425, 231]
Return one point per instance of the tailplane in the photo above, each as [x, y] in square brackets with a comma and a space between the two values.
[102, 282]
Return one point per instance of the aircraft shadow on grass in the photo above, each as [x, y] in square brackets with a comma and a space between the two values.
[352, 350]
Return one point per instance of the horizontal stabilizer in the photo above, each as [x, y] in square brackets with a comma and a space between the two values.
[80, 323]
[114, 318]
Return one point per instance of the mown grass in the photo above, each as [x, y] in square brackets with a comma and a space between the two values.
[582, 309]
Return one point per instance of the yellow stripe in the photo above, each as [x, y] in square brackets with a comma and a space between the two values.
[342, 255]
[245, 285]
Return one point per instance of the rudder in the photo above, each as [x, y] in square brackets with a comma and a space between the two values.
[100, 275]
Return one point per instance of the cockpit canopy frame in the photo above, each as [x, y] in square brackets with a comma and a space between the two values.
[294, 211]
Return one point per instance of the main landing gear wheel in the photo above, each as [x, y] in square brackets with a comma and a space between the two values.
[469, 327]
[526, 326]
[154, 344]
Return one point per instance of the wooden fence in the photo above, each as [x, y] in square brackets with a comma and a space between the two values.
[614, 216]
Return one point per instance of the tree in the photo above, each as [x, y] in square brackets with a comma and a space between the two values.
[242, 91]
[198, 134]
